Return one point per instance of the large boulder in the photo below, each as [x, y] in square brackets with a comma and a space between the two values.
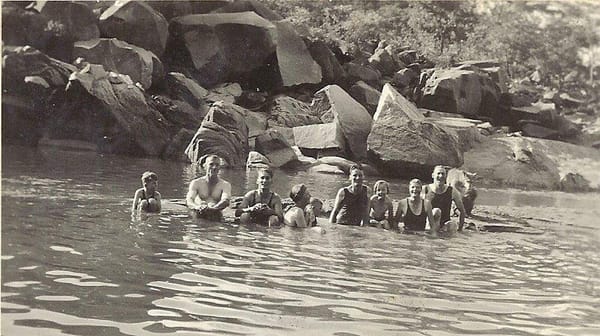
[179, 112]
[175, 149]
[223, 132]
[366, 95]
[465, 92]
[333, 104]
[107, 109]
[319, 139]
[255, 6]
[331, 69]
[365, 73]
[493, 68]
[139, 64]
[296, 65]
[402, 143]
[183, 88]
[32, 83]
[220, 46]
[275, 147]
[382, 60]
[285, 111]
[172, 9]
[137, 23]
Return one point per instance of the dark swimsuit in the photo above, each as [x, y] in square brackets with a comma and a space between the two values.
[414, 222]
[260, 217]
[443, 202]
[353, 207]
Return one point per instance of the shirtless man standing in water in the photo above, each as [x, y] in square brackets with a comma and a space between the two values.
[209, 195]
[441, 196]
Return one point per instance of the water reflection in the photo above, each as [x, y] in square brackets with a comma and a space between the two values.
[74, 262]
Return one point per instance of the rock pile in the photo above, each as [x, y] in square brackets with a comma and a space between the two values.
[231, 77]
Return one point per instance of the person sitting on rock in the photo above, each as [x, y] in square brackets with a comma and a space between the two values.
[381, 209]
[414, 211]
[441, 196]
[209, 195]
[302, 213]
[147, 198]
[261, 206]
[351, 206]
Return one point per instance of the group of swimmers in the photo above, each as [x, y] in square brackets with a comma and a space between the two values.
[209, 195]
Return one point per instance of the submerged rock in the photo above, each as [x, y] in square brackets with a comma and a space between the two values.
[223, 132]
[402, 143]
[138, 23]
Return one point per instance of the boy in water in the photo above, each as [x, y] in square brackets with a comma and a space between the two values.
[351, 205]
[381, 209]
[261, 206]
[147, 198]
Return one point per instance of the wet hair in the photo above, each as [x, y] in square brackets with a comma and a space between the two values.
[415, 181]
[440, 167]
[355, 167]
[266, 171]
[149, 176]
[297, 193]
[205, 158]
[382, 184]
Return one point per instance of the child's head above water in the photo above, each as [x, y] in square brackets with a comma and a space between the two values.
[299, 194]
[149, 176]
[381, 187]
[149, 179]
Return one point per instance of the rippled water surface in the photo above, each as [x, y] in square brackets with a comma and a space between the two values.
[75, 263]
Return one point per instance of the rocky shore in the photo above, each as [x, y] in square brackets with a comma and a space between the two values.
[179, 80]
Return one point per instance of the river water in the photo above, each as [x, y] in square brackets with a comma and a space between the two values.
[74, 262]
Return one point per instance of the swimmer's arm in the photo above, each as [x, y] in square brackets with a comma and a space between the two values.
[224, 202]
[429, 211]
[190, 199]
[336, 206]
[390, 212]
[157, 197]
[365, 215]
[459, 205]
[278, 208]
[136, 199]
[245, 205]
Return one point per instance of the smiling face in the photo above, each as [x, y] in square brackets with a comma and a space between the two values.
[439, 175]
[414, 190]
[212, 166]
[356, 177]
[381, 190]
[264, 180]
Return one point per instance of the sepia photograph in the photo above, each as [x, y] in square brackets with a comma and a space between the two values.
[300, 167]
